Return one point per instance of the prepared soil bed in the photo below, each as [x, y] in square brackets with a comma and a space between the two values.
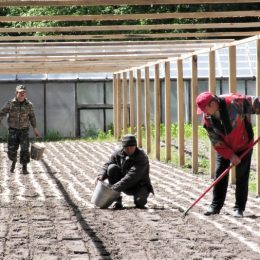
[48, 213]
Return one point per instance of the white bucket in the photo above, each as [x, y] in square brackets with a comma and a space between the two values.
[37, 150]
[103, 196]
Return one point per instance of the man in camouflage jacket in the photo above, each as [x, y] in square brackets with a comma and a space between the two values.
[128, 171]
[227, 121]
[20, 114]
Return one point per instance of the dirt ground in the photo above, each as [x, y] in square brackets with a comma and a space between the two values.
[48, 214]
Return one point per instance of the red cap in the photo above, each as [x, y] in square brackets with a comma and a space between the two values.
[202, 101]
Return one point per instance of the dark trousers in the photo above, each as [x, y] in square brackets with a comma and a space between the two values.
[140, 193]
[242, 177]
[18, 137]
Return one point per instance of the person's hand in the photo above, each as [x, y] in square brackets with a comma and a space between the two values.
[36, 132]
[235, 160]
[99, 178]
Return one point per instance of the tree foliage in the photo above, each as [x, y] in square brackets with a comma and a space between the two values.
[95, 10]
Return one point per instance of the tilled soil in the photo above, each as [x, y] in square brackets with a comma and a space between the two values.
[47, 214]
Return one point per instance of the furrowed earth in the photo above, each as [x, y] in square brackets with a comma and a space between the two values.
[48, 213]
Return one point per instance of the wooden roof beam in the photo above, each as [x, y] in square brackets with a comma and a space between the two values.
[130, 27]
[7, 3]
[127, 36]
[113, 17]
[104, 44]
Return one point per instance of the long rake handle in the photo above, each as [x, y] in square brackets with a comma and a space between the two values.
[220, 177]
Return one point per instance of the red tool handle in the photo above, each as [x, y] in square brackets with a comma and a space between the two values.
[220, 177]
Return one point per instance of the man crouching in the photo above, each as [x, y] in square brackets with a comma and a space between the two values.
[128, 171]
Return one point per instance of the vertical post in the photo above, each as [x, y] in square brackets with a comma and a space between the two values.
[167, 111]
[232, 89]
[125, 103]
[180, 95]
[194, 92]
[115, 108]
[131, 97]
[212, 89]
[139, 108]
[147, 110]
[119, 106]
[157, 111]
[257, 118]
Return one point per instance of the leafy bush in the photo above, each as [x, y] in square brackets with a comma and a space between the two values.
[53, 135]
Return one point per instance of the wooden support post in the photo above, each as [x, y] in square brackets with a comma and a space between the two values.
[180, 97]
[157, 110]
[232, 89]
[115, 108]
[194, 93]
[167, 111]
[119, 105]
[125, 103]
[257, 118]
[131, 98]
[147, 110]
[139, 108]
[212, 89]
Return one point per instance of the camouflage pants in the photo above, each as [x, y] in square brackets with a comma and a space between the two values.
[18, 137]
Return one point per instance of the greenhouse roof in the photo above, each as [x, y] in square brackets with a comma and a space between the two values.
[46, 52]
[246, 67]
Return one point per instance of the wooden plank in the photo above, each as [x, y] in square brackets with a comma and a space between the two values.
[77, 44]
[157, 110]
[32, 65]
[147, 94]
[257, 118]
[139, 107]
[114, 44]
[180, 106]
[125, 112]
[130, 27]
[127, 36]
[131, 97]
[7, 3]
[119, 105]
[115, 107]
[131, 53]
[194, 117]
[232, 89]
[212, 89]
[80, 69]
[120, 17]
[167, 111]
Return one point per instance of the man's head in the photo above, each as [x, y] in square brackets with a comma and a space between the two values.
[206, 103]
[21, 93]
[129, 144]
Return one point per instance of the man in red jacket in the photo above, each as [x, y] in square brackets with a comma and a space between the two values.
[227, 121]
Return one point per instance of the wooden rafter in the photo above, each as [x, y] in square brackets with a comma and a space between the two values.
[112, 2]
[127, 36]
[111, 44]
[112, 17]
[131, 27]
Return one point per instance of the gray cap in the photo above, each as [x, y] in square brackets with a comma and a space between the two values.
[129, 140]
[20, 88]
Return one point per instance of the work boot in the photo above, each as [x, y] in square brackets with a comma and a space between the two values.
[211, 211]
[24, 170]
[12, 166]
[238, 213]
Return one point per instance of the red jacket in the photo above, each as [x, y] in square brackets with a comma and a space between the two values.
[232, 132]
